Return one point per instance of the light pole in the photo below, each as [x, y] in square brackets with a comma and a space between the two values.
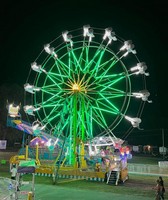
[163, 143]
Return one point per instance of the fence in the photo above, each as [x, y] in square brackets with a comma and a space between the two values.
[147, 169]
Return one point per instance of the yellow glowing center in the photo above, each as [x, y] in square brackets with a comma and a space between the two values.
[75, 87]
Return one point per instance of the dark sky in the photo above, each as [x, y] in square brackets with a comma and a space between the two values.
[27, 25]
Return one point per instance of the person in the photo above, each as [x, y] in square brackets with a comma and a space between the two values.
[77, 160]
[97, 167]
[13, 172]
[13, 175]
[163, 188]
[158, 189]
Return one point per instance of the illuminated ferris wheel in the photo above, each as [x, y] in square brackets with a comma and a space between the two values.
[83, 83]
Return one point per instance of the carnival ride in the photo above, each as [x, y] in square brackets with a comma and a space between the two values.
[80, 89]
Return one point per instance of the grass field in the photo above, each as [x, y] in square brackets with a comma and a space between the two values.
[137, 187]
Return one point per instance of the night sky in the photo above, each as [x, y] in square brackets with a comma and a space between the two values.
[27, 25]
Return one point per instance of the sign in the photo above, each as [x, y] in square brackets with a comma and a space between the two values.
[163, 150]
[3, 144]
[24, 192]
[163, 164]
[135, 148]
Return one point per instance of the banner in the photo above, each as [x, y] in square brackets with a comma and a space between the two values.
[3, 144]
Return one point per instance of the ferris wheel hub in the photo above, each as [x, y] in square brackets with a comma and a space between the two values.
[76, 87]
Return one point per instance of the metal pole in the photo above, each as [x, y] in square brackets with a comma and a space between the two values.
[74, 161]
[163, 143]
[27, 152]
[23, 140]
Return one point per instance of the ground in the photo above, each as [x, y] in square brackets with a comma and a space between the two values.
[83, 190]
[136, 187]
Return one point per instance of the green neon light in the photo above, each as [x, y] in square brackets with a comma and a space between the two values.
[99, 74]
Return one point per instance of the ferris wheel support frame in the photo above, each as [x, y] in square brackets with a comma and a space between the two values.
[80, 83]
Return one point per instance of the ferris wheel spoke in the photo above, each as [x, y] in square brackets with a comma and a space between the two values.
[47, 91]
[108, 105]
[87, 67]
[98, 48]
[51, 89]
[53, 92]
[94, 85]
[63, 122]
[69, 64]
[120, 58]
[48, 115]
[55, 110]
[105, 63]
[94, 71]
[107, 85]
[57, 102]
[52, 104]
[106, 70]
[60, 70]
[98, 120]
[52, 79]
[89, 119]
[110, 76]
[57, 76]
[100, 114]
[114, 91]
[77, 65]
[81, 56]
[111, 96]
[87, 56]
[106, 110]
[95, 67]
[64, 125]
[49, 120]
[111, 90]
[65, 67]
[83, 124]
[52, 98]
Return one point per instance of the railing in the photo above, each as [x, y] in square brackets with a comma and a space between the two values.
[147, 169]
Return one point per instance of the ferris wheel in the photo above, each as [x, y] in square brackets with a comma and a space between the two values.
[83, 84]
